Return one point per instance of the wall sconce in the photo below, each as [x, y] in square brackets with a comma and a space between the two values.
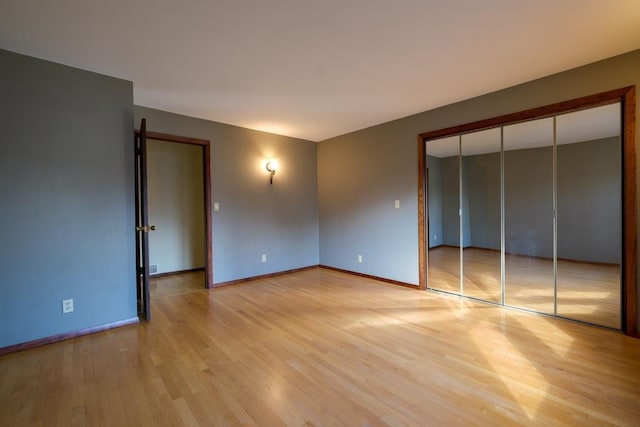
[272, 167]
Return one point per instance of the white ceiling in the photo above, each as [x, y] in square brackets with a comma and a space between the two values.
[318, 69]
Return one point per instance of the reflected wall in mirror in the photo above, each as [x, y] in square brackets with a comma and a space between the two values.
[528, 207]
[481, 215]
[443, 198]
[589, 194]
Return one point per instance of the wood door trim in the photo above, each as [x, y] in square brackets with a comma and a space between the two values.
[422, 215]
[175, 138]
[627, 97]
[206, 167]
[629, 225]
[208, 217]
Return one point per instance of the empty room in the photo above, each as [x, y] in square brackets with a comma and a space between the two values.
[356, 212]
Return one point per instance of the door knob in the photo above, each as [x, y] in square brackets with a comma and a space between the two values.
[146, 228]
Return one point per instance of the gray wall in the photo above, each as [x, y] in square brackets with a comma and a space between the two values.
[590, 201]
[359, 177]
[66, 197]
[480, 198]
[482, 177]
[450, 181]
[361, 172]
[176, 205]
[528, 200]
[255, 218]
[434, 199]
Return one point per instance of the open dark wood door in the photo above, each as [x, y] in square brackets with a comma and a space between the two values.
[142, 226]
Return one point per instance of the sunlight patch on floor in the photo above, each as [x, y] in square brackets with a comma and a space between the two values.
[504, 360]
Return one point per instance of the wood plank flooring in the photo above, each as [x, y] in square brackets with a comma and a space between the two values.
[586, 292]
[319, 347]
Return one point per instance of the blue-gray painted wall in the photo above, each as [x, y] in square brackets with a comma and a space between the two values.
[360, 176]
[66, 199]
[588, 196]
[279, 220]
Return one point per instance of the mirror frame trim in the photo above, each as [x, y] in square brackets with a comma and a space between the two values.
[627, 97]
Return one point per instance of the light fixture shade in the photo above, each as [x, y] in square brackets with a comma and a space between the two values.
[272, 167]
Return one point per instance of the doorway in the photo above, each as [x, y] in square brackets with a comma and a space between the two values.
[143, 228]
[176, 207]
[205, 150]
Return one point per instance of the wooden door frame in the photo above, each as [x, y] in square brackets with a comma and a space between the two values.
[627, 97]
[206, 167]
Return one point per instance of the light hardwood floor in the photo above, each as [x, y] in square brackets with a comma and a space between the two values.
[586, 292]
[320, 347]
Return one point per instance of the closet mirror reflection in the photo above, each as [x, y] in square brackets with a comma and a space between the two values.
[443, 196]
[529, 215]
[528, 207]
[589, 194]
[480, 203]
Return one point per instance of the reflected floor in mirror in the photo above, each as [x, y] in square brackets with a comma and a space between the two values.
[587, 292]
[444, 268]
[481, 272]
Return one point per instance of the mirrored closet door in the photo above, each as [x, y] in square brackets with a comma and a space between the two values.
[589, 194]
[443, 188]
[481, 221]
[528, 209]
[529, 215]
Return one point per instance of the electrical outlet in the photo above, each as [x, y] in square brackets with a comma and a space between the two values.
[264, 257]
[359, 259]
[67, 306]
[216, 206]
[396, 204]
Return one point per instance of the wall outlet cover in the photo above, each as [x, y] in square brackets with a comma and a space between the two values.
[67, 306]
